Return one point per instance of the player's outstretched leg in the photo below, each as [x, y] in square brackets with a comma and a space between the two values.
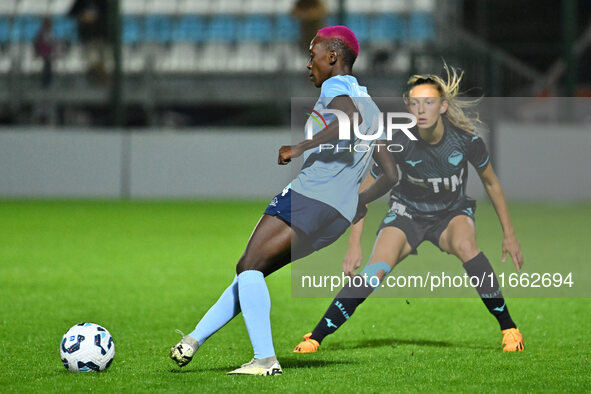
[268, 249]
[224, 310]
[390, 247]
[339, 311]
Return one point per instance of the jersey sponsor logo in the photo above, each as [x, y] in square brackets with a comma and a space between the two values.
[438, 184]
[455, 158]
[414, 163]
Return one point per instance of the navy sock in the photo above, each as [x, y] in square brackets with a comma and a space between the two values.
[341, 309]
[489, 291]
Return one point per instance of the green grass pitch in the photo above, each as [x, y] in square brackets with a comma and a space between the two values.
[142, 269]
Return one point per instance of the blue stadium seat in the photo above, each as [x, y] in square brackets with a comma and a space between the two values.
[331, 20]
[359, 23]
[388, 28]
[421, 27]
[286, 28]
[24, 28]
[130, 29]
[4, 30]
[221, 28]
[255, 28]
[64, 28]
[189, 28]
[158, 28]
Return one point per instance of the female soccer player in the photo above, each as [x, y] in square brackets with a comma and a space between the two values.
[311, 213]
[429, 204]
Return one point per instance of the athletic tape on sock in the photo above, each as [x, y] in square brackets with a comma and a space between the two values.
[371, 271]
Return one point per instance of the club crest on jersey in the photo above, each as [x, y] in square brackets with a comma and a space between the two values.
[455, 158]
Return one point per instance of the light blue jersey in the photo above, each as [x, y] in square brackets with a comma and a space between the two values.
[333, 176]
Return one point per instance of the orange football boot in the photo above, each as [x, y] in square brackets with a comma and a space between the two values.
[513, 340]
[308, 345]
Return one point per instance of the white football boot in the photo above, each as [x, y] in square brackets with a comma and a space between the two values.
[182, 353]
[265, 367]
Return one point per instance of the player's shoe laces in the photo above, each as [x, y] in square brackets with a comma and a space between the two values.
[513, 340]
[182, 353]
[265, 367]
[308, 345]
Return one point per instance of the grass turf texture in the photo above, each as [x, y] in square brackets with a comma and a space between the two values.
[143, 269]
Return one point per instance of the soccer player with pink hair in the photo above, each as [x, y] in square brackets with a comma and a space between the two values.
[313, 211]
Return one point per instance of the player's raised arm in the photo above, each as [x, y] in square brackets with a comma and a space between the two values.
[495, 192]
[342, 103]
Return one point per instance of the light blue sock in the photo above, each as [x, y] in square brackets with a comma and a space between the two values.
[256, 310]
[224, 310]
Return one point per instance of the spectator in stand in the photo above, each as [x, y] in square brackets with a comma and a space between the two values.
[311, 15]
[93, 31]
[44, 46]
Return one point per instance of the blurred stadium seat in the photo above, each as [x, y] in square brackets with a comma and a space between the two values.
[247, 25]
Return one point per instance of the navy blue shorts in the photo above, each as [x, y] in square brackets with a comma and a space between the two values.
[317, 223]
[418, 228]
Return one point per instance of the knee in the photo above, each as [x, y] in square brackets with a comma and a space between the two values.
[466, 250]
[249, 263]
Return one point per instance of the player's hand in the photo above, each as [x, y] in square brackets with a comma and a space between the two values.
[288, 152]
[512, 247]
[352, 260]
[285, 155]
[361, 212]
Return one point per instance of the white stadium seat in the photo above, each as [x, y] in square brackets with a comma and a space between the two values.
[133, 7]
[423, 5]
[60, 7]
[168, 7]
[7, 7]
[32, 7]
[214, 56]
[283, 6]
[200, 7]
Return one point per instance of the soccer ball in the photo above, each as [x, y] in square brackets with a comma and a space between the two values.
[87, 347]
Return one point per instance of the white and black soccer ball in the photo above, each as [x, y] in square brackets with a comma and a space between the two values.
[87, 347]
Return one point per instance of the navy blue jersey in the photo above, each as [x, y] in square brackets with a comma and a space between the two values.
[433, 176]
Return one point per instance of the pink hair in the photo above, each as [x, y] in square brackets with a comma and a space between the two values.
[343, 33]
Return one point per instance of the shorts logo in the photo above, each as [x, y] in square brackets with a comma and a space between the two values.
[469, 211]
[273, 202]
[390, 217]
[414, 163]
[455, 158]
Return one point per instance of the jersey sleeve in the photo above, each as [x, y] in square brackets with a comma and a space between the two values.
[477, 153]
[376, 170]
[334, 87]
